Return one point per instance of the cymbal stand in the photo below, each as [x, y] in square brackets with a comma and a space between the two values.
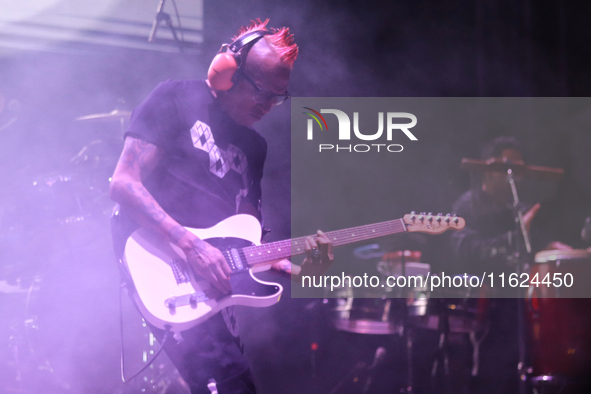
[408, 338]
[441, 357]
[519, 268]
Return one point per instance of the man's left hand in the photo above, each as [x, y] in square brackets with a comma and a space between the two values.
[318, 259]
[319, 255]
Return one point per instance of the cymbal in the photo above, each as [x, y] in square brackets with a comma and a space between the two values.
[116, 114]
[7, 288]
[547, 256]
[493, 165]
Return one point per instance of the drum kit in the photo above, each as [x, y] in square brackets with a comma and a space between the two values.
[53, 235]
[554, 323]
[409, 312]
[53, 225]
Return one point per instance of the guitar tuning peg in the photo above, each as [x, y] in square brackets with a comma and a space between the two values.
[447, 218]
[439, 217]
[430, 217]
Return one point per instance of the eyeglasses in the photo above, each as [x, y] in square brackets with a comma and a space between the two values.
[262, 96]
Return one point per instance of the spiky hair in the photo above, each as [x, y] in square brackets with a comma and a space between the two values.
[281, 40]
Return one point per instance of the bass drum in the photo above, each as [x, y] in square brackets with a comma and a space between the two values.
[560, 328]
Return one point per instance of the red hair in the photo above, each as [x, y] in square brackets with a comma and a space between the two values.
[281, 40]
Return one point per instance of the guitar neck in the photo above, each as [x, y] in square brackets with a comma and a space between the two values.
[292, 247]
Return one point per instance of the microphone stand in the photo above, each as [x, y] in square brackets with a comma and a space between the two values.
[163, 16]
[519, 267]
[441, 357]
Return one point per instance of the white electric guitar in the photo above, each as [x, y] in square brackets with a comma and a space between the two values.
[170, 295]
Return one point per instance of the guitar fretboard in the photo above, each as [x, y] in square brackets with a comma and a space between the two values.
[292, 247]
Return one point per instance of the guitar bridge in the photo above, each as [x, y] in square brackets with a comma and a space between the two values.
[188, 299]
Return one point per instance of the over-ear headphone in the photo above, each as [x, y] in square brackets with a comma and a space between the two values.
[226, 66]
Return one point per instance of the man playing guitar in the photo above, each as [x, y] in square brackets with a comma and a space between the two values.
[192, 159]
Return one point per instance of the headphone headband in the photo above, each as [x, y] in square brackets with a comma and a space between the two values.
[247, 39]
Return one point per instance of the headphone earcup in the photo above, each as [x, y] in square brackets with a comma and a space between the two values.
[221, 71]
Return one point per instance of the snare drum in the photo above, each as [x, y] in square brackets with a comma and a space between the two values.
[465, 308]
[464, 315]
[385, 309]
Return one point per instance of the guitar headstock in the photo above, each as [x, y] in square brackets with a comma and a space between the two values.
[432, 224]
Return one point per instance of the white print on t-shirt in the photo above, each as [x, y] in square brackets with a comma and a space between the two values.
[220, 161]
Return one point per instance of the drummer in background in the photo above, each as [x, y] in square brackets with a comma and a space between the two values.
[485, 245]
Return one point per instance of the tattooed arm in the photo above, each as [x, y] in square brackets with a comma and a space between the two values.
[138, 160]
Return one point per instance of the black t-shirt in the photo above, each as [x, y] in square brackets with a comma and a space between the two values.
[209, 166]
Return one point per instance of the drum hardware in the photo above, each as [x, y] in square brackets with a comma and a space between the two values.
[362, 372]
[383, 312]
[586, 231]
[367, 252]
[374, 316]
[393, 311]
[409, 338]
[519, 268]
[476, 339]
[62, 197]
[28, 367]
[403, 264]
[116, 114]
[441, 356]
[465, 311]
[512, 170]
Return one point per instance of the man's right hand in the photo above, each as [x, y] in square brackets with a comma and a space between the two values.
[137, 161]
[207, 261]
[530, 215]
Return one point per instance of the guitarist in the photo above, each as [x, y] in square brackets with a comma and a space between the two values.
[192, 159]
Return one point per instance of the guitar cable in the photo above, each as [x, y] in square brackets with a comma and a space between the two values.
[149, 362]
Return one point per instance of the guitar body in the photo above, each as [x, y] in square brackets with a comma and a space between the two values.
[169, 293]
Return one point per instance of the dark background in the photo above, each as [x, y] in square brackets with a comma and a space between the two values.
[348, 49]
